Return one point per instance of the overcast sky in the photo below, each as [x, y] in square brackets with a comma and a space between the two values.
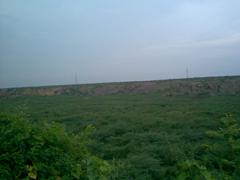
[47, 42]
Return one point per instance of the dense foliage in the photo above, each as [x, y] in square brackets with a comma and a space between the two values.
[46, 151]
[145, 136]
[218, 160]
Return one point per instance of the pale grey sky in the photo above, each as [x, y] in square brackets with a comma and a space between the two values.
[48, 42]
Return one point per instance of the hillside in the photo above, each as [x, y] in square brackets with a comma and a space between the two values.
[143, 129]
[194, 86]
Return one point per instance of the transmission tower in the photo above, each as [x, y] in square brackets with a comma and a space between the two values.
[187, 73]
[76, 78]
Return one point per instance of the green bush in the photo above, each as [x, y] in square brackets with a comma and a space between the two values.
[219, 159]
[46, 151]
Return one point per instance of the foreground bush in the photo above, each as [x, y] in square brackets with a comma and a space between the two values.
[218, 160]
[46, 151]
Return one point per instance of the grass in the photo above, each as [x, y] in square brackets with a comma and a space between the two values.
[145, 134]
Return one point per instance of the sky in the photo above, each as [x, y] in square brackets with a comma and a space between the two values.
[63, 41]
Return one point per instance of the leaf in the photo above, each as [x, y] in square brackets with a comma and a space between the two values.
[182, 176]
[32, 175]
[207, 175]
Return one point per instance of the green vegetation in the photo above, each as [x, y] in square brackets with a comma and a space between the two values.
[219, 159]
[148, 136]
[46, 151]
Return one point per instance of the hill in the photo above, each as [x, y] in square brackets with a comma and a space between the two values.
[145, 130]
[194, 86]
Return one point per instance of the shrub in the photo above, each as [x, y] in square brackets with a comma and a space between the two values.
[46, 151]
[219, 159]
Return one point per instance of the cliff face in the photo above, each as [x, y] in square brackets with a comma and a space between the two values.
[195, 86]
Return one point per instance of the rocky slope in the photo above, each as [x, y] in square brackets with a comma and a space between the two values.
[194, 86]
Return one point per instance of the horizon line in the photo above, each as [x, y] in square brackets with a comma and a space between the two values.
[117, 82]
